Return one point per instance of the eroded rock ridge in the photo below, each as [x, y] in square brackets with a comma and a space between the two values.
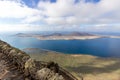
[17, 65]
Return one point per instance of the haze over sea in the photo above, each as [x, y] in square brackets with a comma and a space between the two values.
[103, 47]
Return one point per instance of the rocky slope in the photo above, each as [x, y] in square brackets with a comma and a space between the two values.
[17, 65]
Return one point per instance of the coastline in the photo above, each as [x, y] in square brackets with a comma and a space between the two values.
[61, 53]
[61, 36]
[39, 37]
[113, 36]
[68, 37]
[88, 66]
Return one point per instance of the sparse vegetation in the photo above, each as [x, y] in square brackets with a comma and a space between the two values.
[86, 66]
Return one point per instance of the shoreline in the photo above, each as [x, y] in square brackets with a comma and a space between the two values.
[71, 54]
[64, 37]
[90, 67]
[70, 37]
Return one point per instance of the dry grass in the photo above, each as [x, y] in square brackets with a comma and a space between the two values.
[89, 67]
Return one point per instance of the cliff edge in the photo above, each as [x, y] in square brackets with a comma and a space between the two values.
[17, 65]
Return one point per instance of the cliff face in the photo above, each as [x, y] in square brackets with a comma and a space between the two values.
[17, 65]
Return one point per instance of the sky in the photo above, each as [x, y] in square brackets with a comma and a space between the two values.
[60, 15]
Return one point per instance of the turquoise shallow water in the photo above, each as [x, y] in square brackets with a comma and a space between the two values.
[103, 47]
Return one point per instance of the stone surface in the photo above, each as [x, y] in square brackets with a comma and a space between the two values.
[17, 65]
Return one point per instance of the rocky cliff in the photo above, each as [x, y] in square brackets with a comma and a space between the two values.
[17, 65]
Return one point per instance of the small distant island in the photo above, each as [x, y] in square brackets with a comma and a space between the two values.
[61, 36]
[65, 36]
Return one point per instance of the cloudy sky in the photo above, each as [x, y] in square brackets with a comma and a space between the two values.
[60, 15]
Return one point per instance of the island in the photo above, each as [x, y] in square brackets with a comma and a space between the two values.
[61, 36]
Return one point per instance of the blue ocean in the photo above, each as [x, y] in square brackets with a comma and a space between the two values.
[102, 47]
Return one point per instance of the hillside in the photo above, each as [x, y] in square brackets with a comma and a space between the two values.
[17, 65]
[82, 66]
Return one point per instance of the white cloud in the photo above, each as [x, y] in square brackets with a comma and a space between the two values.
[63, 13]
[15, 9]
[31, 19]
[20, 27]
[105, 10]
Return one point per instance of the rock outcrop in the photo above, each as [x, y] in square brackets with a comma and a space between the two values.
[17, 65]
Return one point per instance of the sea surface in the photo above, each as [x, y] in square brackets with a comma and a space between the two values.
[103, 47]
